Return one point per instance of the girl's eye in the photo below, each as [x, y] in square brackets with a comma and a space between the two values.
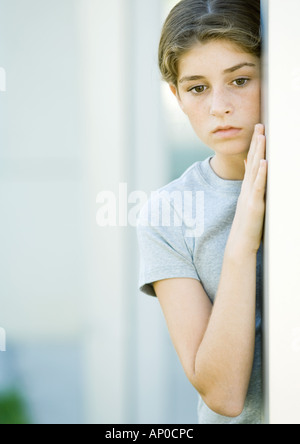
[198, 89]
[241, 82]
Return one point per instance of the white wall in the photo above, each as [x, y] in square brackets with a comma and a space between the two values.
[282, 297]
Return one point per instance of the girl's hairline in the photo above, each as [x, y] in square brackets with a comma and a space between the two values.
[184, 51]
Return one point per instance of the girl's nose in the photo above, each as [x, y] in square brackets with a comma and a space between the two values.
[220, 104]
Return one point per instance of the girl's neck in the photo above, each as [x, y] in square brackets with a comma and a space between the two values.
[229, 167]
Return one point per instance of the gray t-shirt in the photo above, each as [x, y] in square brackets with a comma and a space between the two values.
[183, 231]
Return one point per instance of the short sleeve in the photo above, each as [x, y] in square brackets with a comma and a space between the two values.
[164, 253]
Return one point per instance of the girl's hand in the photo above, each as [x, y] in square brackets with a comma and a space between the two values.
[249, 219]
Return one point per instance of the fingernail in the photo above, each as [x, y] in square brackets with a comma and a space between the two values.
[260, 128]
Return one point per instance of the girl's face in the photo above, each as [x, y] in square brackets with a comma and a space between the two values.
[219, 89]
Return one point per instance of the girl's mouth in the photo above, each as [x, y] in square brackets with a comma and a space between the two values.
[226, 132]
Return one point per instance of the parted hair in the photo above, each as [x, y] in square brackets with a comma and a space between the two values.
[192, 21]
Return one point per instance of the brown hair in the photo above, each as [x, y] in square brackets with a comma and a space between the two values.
[192, 21]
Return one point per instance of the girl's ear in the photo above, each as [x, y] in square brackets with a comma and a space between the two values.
[174, 90]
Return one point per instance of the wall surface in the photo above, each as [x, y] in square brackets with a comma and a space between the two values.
[282, 243]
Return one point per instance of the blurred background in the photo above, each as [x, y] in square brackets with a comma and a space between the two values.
[84, 110]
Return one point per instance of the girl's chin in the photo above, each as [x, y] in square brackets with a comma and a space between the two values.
[231, 148]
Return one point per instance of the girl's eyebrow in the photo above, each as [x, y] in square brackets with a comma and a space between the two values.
[226, 71]
[241, 65]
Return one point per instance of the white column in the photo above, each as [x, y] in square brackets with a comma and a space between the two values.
[282, 252]
[2, 340]
[103, 80]
[2, 80]
[151, 172]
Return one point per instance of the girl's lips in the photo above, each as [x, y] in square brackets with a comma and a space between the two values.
[226, 133]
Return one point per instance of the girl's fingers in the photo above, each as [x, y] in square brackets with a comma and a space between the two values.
[261, 179]
[258, 131]
[253, 165]
[260, 151]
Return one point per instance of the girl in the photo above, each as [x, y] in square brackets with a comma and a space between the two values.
[208, 282]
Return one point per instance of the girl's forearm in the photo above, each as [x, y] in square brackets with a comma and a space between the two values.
[225, 357]
[224, 360]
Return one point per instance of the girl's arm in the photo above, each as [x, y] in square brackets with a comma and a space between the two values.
[216, 343]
